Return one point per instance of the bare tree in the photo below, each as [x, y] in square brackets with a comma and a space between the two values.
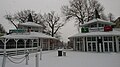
[11, 19]
[22, 17]
[111, 17]
[50, 21]
[53, 22]
[81, 10]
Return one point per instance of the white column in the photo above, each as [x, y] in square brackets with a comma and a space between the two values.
[73, 43]
[16, 40]
[83, 44]
[117, 44]
[53, 44]
[91, 47]
[37, 60]
[103, 44]
[32, 44]
[100, 46]
[48, 44]
[4, 57]
[103, 47]
[41, 40]
[108, 47]
[87, 46]
[25, 45]
[113, 43]
[96, 47]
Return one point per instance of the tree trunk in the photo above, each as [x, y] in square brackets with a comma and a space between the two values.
[53, 31]
[14, 24]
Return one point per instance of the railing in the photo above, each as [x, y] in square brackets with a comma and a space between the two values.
[18, 51]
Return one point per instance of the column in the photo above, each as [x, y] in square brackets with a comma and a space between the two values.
[37, 44]
[113, 43]
[48, 44]
[4, 56]
[87, 46]
[117, 44]
[100, 46]
[83, 39]
[108, 47]
[5, 45]
[41, 43]
[16, 40]
[103, 47]
[73, 43]
[96, 47]
[32, 44]
[103, 44]
[53, 44]
[25, 45]
[91, 47]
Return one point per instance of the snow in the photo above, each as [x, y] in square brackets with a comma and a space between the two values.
[30, 24]
[98, 21]
[30, 35]
[110, 33]
[73, 59]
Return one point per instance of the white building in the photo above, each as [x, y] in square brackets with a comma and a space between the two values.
[96, 36]
[28, 36]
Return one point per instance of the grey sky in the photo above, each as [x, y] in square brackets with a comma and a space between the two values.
[13, 6]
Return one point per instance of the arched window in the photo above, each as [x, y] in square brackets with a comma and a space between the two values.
[20, 43]
[29, 43]
[35, 43]
[1, 45]
[11, 44]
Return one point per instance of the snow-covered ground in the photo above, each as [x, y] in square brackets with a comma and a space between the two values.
[73, 59]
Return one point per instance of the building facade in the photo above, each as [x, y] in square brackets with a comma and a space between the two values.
[96, 36]
[29, 37]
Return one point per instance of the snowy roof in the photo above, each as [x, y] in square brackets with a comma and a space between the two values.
[31, 35]
[30, 24]
[111, 33]
[97, 21]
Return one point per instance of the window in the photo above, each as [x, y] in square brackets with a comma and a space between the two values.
[101, 25]
[94, 46]
[106, 46]
[88, 38]
[89, 46]
[107, 38]
[78, 39]
[110, 46]
[93, 25]
[91, 38]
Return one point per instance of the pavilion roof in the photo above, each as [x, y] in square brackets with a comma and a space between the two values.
[31, 35]
[98, 21]
[30, 24]
[110, 33]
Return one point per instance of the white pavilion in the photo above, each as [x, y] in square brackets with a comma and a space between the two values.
[29, 37]
[96, 36]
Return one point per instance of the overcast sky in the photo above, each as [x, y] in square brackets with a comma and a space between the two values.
[13, 6]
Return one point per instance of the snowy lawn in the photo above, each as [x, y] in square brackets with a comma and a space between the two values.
[73, 59]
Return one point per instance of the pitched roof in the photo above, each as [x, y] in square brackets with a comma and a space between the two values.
[30, 24]
[111, 33]
[30, 18]
[31, 35]
[97, 21]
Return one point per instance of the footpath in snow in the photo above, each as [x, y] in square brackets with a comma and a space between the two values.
[73, 59]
